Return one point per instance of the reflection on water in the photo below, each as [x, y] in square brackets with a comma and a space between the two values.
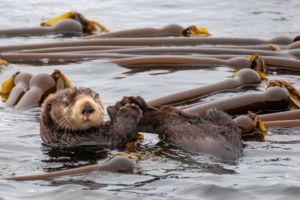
[72, 157]
[268, 170]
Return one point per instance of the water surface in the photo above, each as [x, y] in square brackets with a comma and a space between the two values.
[268, 170]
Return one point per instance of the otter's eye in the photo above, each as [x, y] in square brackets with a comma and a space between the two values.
[67, 103]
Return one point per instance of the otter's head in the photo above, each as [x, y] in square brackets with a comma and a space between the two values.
[72, 110]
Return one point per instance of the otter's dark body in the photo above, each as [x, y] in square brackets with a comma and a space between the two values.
[215, 134]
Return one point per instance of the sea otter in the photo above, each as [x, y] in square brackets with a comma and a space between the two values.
[76, 117]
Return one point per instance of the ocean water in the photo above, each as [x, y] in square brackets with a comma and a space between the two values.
[267, 170]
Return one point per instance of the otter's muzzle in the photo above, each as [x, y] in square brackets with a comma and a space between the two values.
[87, 109]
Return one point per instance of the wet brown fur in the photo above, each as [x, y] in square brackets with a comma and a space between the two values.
[215, 134]
[64, 124]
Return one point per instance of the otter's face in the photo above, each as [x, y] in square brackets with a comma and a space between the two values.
[74, 109]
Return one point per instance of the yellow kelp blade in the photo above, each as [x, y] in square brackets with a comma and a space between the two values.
[137, 136]
[252, 57]
[294, 94]
[295, 101]
[257, 123]
[8, 85]
[67, 81]
[130, 156]
[3, 62]
[262, 75]
[87, 26]
[258, 65]
[131, 146]
[202, 32]
[274, 47]
[194, 31]
[93, 26]
[234, 74]
[4, 97]
[51, 22]
[61, 80]
[262, 127]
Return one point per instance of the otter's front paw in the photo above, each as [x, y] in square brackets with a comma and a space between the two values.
[137, 100]
[129, 114]
[112, 112]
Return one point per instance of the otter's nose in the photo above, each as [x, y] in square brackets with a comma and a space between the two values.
[87, 109]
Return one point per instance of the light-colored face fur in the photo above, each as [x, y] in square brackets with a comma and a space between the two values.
[75, 109]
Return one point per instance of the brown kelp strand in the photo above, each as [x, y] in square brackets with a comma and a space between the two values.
[174, 30]
[151, 42]
[173, 61]
[249, 47]
[68, 26]
[295, 45]
[267, 47]
[270, 61]
[146, 61]
[57, 57]
[214, 41]
[116, 164]
[75, 49]
[284, 63]
[134, 60]
[243, 77]
[295, 53]
[283, 123]
[274, 99]
[21, 82]
[287, 115]
[247, 127]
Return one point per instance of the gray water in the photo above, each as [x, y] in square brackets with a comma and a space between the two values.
[267, 170]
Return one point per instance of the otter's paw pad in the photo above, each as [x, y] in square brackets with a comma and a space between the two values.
[139, 101]
[128, 113]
